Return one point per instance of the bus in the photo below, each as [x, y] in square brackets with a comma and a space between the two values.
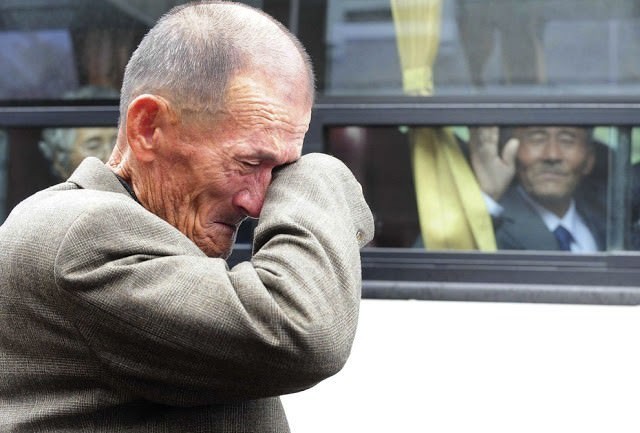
[471, 319]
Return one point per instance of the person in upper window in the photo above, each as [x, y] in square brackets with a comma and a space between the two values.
[531, 183]
[65, 148]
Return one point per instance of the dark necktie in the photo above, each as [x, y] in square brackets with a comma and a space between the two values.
[564, 238]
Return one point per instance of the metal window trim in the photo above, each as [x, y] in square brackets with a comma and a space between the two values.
[58, 116]
[524, 277]
[606, 278]
[439, 111]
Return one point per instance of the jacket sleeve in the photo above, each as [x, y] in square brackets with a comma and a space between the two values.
[173, 326]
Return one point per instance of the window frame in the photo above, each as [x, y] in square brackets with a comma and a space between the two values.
[532, 276]
[396, 273]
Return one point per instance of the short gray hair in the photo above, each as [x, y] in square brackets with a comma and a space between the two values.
[194, 50]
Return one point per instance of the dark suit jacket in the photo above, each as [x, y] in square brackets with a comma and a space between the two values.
[111, 320]
[520, 227]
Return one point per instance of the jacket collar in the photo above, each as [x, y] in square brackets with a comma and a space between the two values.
[94, 174]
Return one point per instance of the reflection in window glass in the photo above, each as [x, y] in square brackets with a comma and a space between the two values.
[53, 47]
[495, 188]
[49, 58]
[359, 47]
[483, 46]
[380, 159]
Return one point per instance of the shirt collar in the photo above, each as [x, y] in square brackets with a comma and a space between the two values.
[551, 220]
[128, 187]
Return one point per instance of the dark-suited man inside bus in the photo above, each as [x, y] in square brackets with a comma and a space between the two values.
[531, 187]
[118, 311]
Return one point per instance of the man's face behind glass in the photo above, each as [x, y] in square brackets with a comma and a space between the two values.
[552, 161]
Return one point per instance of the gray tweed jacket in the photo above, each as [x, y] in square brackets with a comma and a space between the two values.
[111, 320]
[521, 228]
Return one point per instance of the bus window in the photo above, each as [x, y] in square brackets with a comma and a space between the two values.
[529, 187]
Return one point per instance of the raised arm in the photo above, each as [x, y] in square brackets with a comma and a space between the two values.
[173, 326]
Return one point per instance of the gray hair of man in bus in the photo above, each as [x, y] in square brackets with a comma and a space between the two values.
[158, 65]
[65, 147]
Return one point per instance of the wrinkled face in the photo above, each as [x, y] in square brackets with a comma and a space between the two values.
[216, 176]
[552, 161]
[96, 142]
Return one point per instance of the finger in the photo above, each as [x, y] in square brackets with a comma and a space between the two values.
[489, 135]
[481, 137]
[510, 151]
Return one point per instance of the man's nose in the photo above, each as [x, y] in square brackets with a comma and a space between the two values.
[552, 150]
[251, 199]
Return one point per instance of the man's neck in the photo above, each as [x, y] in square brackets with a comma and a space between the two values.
[557, 207]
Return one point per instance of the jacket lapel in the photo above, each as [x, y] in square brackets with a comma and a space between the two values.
[93, 174]
[521, 227]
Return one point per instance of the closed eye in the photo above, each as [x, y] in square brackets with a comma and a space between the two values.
[251, 163]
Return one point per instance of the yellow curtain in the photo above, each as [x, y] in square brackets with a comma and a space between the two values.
[450, 205]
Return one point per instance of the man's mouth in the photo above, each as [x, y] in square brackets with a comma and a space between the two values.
[230, 226]
[555, 174]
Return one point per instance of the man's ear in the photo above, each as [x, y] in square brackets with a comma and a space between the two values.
[145, 115]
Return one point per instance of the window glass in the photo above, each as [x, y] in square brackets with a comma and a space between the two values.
[32, 159]
[40, 157]
[51, 49]
[359, 47]
[3, 174]
[481, 47]
[497, 188]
